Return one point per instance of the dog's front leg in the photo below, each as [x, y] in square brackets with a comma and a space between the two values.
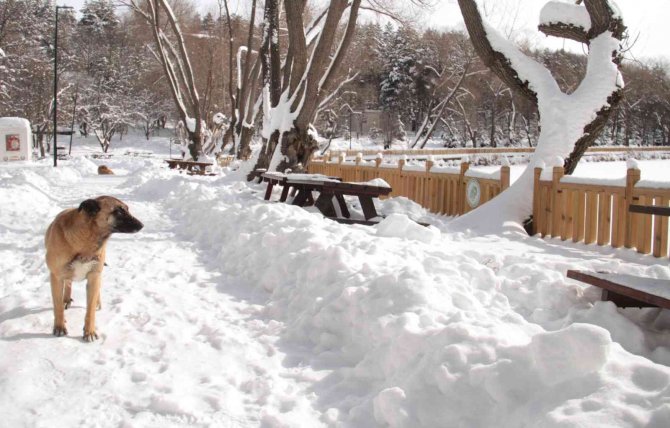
[92, 298]
[67, 296]
[59, 310]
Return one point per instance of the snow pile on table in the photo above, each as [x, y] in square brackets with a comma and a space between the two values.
[394, 325]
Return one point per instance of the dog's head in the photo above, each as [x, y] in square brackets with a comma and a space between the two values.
[110, 215]
[105, 170]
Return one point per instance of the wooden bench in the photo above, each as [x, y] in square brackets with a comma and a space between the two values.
[650, 209]
[627, 290]
[191, 167]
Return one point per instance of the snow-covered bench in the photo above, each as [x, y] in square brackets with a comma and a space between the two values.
[331, 190]
[278, 178]
[627, 290]
[190, 167]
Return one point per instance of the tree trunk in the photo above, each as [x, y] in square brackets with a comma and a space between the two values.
[297, 149]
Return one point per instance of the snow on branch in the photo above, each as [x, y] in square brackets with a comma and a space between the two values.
[558, 12]
[566, 20]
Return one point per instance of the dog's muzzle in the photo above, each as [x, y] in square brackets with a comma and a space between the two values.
[125, 223]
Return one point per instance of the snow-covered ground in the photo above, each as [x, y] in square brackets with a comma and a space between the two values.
[229, 311]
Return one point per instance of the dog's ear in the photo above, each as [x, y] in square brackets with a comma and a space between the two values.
[90, 207]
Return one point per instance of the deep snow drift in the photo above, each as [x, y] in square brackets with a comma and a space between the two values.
[227, 310]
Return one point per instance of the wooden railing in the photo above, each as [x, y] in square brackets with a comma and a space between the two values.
[440, 190]
[588, 211]
[335, 154]
[599, 212]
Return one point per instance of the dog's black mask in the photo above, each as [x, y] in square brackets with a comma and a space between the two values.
[124, 222]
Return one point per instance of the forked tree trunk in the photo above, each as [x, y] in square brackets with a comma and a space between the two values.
[568, 123]
[310, 68]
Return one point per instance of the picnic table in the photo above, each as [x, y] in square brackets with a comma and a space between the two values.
[278, 178]
[192, 167]
[627, 290]
[332, 190]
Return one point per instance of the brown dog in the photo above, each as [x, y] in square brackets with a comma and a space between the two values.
[75, 243]
[105, 170]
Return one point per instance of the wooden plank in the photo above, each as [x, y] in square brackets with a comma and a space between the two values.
[579, 215]
[620, 284]
[591, 218]
[568, 215]
[536, 199]
[618, 219]
[621, 223]
[650, 209]
[661, 230]
[558, 208]
[643, 229]
[604, 218]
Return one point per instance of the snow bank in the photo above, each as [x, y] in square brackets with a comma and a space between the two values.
[416, 331]
[401, 226]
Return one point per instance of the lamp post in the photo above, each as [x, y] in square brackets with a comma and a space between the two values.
[55, 148]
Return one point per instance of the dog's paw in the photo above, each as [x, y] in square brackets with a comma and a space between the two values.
[90, 336]
[60, 331]
[68, 303]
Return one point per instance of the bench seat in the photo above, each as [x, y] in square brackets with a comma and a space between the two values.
[627, 290]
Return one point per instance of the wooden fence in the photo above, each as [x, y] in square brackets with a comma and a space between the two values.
[335, 154]
[440, 190]
[599, 213]
[589, 211]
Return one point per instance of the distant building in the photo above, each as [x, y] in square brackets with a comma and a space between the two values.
[362, 122]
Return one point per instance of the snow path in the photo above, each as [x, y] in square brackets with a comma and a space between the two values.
[174, 343]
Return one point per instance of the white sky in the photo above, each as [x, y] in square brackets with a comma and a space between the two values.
[649, 20]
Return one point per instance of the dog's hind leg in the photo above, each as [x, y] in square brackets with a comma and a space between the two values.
[92, 298]
[67, 295]
[59, 310]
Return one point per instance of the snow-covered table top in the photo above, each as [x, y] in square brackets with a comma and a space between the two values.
[652, 286]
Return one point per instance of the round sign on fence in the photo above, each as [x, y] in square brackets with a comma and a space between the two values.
[473, 192]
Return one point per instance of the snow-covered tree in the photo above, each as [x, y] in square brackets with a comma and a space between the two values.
[293, 94]
[408, 77]
[26, 68]
[570, 122]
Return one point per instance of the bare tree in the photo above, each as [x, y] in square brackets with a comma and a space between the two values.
[569, 123]
[171, 52]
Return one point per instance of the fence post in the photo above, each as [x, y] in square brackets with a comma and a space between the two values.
[555, 227]
[536, 199]
[504, 177]
[465, 165]
[632, 177]
[357, 169]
